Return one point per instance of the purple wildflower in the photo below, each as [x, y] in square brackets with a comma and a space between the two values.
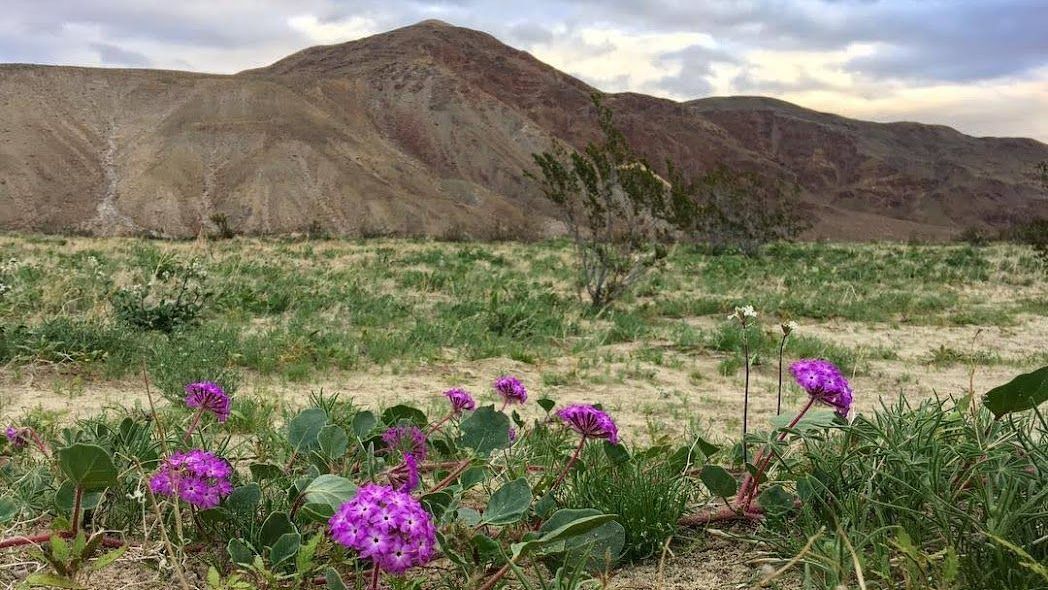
[824, 382]
[17, 437]
[511, 389]
[197, 477]
[460, 400]
[209, 397]
[512, 433]
[590, 422]
[389, 527]
[406, 439]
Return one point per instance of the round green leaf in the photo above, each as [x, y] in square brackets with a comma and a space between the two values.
[89, 466]
[303, 430]
[718, 480]
[509, 503]
[485, 430]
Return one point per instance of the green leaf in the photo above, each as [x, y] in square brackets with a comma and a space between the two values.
[59, 548]
[240, 552]
[473, 476]
[213, 579]
[363, 423]
[277, 525]
[572, 529]
[303, 430]
[333, 442]
[325, 494]
[546, 404]
[89, 466]
[813, 420]
[284, 549]
[776, 500]
[402, 413]
[106, 559]
[333, 579]
[436, 503]
[601, 546]
[263, 471]
[718, 480]
[304, 559]
[509, 503]
[1025, 392]
[485, 430]
[9, 509]
[244, 499]
[50, 580]
[488, 549]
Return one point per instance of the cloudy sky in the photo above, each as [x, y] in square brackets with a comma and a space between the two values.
[979, 65]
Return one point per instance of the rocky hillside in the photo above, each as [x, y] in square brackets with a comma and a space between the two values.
[427, 130]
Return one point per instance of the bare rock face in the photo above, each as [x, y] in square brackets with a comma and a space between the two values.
[427, 130]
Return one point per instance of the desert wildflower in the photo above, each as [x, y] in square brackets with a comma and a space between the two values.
[511, 390]
[17, 437]
[460, 400]
[406, 439]
[197, 477]
[386, 526]
[788, 327]
[206, 396]
[824, 383]
[404, 477]
[590, 422]
[744, 314]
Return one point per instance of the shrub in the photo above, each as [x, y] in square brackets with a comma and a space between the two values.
[206, 354]
[617, 210]
[170, 295]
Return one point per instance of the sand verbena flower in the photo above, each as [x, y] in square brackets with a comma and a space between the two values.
[386, 526]
[824, 383]
[589, 422]
[206, 396]
[406, 439]
[197, 477]
[511, 390]
[460, 400]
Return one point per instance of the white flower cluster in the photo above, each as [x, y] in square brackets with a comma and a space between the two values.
[744, 314]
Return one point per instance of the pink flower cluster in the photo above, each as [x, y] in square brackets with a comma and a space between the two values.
[407, 440]
[511, 390]
[824, 382]
[197, 477]
[405, 477]
[460, 400]
[17, 437]
[590, 422]
[210, 397]
[389, 527]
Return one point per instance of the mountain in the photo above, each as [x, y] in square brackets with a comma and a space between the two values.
[426, 130]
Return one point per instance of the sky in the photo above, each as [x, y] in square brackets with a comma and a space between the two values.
[980, 66]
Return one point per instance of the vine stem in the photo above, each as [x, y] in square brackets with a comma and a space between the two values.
[45, 537]
[436, 426]
[571, 462]
[451, 476]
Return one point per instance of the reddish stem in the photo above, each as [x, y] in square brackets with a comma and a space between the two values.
[45, 537]
[374, 578]
[196, 422]
[748, 491]
[436, 426]
[78, 497]
[451, 476]
[567, 468]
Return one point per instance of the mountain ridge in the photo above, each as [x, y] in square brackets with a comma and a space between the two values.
[426, 130]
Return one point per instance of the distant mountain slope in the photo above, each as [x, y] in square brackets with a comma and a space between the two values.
[426, 130]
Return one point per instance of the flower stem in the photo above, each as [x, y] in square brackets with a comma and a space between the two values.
[196, 422]
[436, 426]
[778, 402]
[746, 393]
[78, 499]
[571, 462]
[374, 578]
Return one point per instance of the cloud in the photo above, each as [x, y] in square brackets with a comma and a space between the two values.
[335, 31]
[111, 55]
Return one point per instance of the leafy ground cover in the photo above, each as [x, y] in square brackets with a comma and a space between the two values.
[324, 346]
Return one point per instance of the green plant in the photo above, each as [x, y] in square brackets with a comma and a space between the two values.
[644, 490]
[617, 209]
[68, 560]
[167, 296]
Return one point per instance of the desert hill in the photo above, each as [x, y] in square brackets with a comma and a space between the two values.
[426, 130]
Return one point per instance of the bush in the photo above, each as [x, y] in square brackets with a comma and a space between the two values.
[171, 295]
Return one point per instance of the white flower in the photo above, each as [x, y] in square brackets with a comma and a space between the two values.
[744, 314]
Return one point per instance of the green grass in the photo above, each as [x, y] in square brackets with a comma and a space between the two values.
[295, 308]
